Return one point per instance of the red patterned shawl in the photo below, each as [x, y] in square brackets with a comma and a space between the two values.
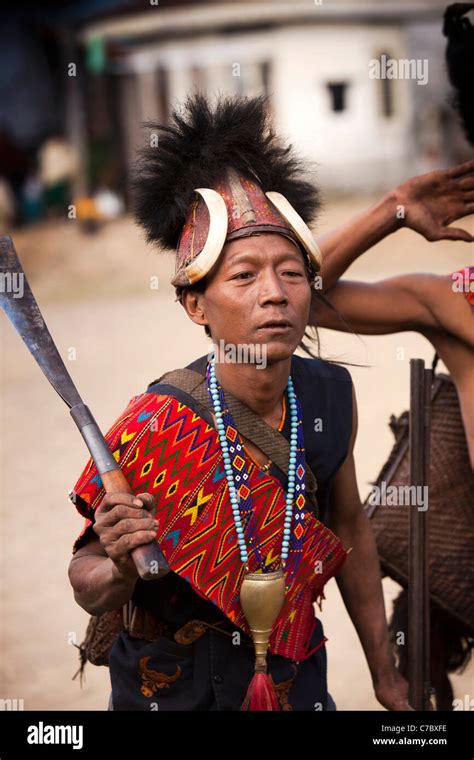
[165, 448]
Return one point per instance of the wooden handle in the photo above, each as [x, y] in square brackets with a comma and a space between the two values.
[148, 558]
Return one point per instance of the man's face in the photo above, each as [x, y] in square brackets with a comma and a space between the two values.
[257, 280]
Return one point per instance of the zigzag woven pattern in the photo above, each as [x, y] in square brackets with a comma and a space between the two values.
[165, 448]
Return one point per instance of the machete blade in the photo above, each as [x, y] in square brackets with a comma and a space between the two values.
[24, 314]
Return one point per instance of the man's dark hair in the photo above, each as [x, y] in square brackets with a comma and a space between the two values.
[460, 62]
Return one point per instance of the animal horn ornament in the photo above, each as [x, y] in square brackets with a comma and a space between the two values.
[262, 596]
[215, 240]
[298, 225]
[236, 208]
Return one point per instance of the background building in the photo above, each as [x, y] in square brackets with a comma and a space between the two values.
[93, 72]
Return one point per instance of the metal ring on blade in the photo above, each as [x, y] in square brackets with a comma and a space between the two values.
[298, 225]
[216, 236]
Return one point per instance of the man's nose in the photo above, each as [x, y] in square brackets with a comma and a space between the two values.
[271, 287]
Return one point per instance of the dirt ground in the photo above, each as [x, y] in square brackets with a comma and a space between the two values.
[117, 331]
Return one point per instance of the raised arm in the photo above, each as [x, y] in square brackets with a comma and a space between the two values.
[426, 204]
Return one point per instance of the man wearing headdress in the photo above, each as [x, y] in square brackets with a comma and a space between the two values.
[241, 534]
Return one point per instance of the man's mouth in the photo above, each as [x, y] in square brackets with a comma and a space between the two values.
[277, 325]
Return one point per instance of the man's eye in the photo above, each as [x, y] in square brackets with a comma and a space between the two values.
[289, 271]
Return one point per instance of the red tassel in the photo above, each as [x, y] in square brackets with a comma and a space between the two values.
[261, 694]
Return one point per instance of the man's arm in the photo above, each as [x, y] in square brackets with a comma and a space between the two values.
[406, 302]
[415, 302]
[98, 584]
[359, 582]
[426, 204]
[342, 246]
[102, 572]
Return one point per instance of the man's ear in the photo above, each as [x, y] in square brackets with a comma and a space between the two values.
[192, 303]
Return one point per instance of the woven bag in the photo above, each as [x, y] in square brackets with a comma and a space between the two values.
[450, 511]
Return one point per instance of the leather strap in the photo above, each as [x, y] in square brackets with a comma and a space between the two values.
[272, 442]
[142, 623]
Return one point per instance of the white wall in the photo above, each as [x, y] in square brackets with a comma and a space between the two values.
[355, 149]
[358, 147]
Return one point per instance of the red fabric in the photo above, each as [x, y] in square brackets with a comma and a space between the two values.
[165, 448]
[463, 282]
[261, 694]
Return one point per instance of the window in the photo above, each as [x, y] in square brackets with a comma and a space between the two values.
[337, 94]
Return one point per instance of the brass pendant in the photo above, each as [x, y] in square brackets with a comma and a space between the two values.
[261, 597]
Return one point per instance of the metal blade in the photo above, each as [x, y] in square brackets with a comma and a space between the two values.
[19, 304]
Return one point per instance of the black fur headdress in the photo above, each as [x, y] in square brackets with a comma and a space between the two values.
[194, 150]
[460, 62]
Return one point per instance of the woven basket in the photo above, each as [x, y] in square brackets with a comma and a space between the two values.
[450, 511]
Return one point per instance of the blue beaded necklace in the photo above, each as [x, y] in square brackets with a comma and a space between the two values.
[238, 481]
